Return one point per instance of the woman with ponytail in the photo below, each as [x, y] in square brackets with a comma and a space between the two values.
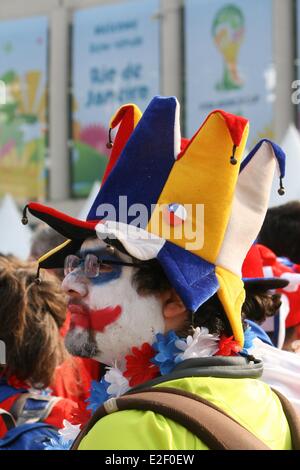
[31, 315]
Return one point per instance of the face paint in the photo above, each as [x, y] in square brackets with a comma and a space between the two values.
[110, 314]
[104, 277]
[96, 320]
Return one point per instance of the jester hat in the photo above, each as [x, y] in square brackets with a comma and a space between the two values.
[204, 208]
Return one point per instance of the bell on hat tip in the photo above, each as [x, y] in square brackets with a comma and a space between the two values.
[109, 144]
[38, 280]
[281, 190]
[233, 160]
[24, 219]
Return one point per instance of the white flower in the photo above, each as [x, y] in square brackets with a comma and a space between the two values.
[201, 344]
[118, 383]
[70, 431]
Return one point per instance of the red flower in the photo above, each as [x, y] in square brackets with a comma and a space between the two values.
[80, 415]
[139, 369]
[228, 347]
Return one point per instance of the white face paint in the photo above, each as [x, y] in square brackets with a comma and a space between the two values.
[108, 316]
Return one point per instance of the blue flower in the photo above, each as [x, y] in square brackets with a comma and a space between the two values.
[98, 394]
[249, 336]
[58, 443]
[167, 352]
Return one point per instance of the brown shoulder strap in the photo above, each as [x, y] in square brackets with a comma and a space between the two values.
[292, 417]
[209, 423]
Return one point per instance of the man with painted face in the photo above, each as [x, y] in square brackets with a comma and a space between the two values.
[154, 279]
[108, 316]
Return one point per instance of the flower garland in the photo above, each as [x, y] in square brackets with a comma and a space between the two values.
[65, 438]
[147, 362]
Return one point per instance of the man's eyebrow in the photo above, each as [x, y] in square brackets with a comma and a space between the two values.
[101, 252]
[90, 251]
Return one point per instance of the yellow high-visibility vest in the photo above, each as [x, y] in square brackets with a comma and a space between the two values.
[249, 401]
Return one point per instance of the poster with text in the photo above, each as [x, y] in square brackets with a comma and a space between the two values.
[115, 61]
[229, 62]
[23, 77]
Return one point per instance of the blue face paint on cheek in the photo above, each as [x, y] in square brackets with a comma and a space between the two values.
[105, 277]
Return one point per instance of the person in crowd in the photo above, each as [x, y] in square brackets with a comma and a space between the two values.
[284, 327]
[281, 231]
[269, 285]
[155, 289]
[266, 280]
[30, 318]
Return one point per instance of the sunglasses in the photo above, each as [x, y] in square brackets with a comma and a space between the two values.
[92, 265]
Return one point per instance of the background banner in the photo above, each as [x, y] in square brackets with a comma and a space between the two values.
[229, 62]
[23, 75]
[115, 61]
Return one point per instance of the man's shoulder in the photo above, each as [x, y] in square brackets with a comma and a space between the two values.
[133, 429]
[139, 430]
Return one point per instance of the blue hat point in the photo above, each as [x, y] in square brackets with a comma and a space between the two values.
[145, 162]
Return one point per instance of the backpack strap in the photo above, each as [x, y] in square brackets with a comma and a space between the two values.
[8, 419]
[32, 408]
[292, 417]
[209, 423]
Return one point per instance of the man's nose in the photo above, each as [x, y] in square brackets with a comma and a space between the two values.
[75, 284]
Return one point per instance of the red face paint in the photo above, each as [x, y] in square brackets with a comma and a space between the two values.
[96, 320]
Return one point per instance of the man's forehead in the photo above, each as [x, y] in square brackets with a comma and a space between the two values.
[99, 247]
[93, 244]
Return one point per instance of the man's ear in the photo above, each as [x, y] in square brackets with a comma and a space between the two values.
[173, 307]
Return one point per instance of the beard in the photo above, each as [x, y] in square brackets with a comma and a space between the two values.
[79, 342]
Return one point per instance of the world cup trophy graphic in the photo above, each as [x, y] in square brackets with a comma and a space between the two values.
[228, 31]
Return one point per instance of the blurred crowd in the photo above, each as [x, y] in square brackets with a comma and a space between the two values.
[33, 322]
